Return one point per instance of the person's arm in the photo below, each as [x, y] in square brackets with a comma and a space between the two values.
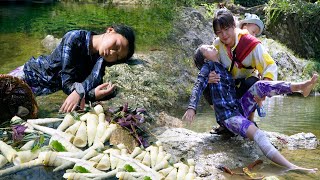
[264, 63]
[196, 93]
[74, 90]
[77, 90]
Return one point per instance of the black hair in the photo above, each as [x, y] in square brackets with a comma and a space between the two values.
[224, 19]
[198, 58]
[129, 34]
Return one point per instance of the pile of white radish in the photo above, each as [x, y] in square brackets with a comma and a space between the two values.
[83, 140]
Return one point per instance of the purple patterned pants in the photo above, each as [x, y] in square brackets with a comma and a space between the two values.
[239, 124]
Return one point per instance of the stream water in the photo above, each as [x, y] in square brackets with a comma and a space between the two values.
[23, 26]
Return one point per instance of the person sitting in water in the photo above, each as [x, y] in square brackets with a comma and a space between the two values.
[233, 113]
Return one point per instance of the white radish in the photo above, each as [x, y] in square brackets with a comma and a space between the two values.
[51, 132]
[73, 128]
[44, 121]
[7, 151]
[92, 123]
[27, 146]
[3, 161]
[68, 146]
[81, 137]
[98, 109]
[104, 163]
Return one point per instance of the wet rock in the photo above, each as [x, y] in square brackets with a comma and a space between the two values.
[209, 150]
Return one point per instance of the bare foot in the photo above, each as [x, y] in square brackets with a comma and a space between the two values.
[309, 85]
[301, 169]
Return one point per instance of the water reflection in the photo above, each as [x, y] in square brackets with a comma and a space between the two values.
[288, 115]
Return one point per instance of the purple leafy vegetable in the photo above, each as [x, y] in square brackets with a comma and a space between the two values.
[18, 132]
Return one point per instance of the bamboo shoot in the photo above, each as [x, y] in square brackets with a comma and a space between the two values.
[81, 137]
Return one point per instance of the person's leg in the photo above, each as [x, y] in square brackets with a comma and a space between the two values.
[305, 87]
[271, 88]
[243, 85]
[238, 125]
[253, 133]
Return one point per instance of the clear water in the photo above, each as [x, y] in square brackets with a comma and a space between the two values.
[288, 115]
[23, 26]
[285, 114]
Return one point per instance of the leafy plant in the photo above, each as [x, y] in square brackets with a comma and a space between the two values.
[130, 119]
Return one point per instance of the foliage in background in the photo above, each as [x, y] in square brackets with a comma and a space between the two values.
[210, 9]
[296, 24]
[311, 68]
[250, 3]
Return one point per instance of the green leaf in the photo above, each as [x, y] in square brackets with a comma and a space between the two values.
[35, 148]
[80, 169]
[147, 178]
[129, 168]
[41, 140]
[57, 146]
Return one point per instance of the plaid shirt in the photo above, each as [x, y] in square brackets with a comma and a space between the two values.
[69, 67]
[223, 93]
